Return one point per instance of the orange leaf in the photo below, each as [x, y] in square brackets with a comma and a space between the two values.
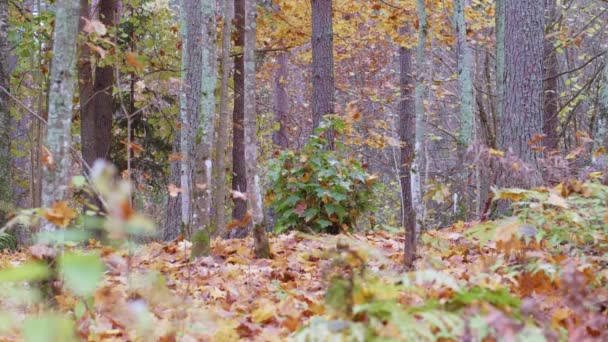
[242, 223]
[60, 214]
[133, 60]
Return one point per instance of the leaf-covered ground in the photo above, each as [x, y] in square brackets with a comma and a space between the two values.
[154, 292]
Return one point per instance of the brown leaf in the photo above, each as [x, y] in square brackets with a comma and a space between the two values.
[60, 214]
[133, 60]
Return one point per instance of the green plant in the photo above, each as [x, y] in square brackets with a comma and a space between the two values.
[320, 190]
[7, 241]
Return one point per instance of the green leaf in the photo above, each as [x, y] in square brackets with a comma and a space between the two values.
[47, 328]
[31, 271]
[82, 272]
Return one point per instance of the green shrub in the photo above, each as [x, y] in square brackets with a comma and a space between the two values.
[320, 190]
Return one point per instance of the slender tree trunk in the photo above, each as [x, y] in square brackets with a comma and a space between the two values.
[407, 117]
[261, 244]
[466, 99]
[206, 128]
[500, 57]
[172, 225]
[523, 110]
[322, 65]
[281, 102]
[239, 180]
[420, 91]
[601, 137]
[219, 193]
[550, 91]
[190, 101]
[61, 92]
[5, 117]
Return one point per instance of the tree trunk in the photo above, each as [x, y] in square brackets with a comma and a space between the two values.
[601, 137]
[261, 245]
[171, 228]
[206, 127]
[500, 57]
[420, 91]
[281, 102]
[5, 117]
[190, 101]
[550, 90]
[466, 101]
[239, 180]
[523, 110]
[407, 116]
[61, 91]
[219, 193]
[322, 65]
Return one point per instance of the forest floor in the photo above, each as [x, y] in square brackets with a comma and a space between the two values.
[155, 293]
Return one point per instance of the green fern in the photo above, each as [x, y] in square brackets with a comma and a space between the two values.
[7, 241]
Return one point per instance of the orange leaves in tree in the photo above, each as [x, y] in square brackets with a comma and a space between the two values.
[60, 214]
[241, 224]
[133, 60]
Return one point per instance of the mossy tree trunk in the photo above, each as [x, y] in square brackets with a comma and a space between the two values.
[5, 116]
[61, 92]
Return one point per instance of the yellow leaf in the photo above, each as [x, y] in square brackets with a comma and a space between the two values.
[497, 153]
[264, 312]
[511, 194]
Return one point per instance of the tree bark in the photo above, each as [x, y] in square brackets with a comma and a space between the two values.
[172, 225]
[61, 91]
[254, 195]
[206, 126]
[523, 110]
[239, 180]
[464, 75]
[407, 117]
[5, 117]
[322, 65]
[219, 193]
[190, 101]
[550, 90]
[500, 57]
[420, 91]
[281, 102]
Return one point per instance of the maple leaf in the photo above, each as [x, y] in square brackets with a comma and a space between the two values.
[60, 214]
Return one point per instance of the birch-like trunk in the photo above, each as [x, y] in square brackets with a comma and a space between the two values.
[61, 92]
[190, 100]
[416, 185]
[254, 195]
[206, 125]
[5, 116]
[219, 185]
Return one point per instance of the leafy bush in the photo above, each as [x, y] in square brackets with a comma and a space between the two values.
[320, 190]
[7, 241]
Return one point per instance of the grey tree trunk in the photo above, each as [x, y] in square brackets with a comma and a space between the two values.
[500, 56]
[464, 75]
[206, 126]
[190, 100]
[601, 137]
[239, 180]
[281, 102]
[420, 91]
[407, 117]
[61, 92]
[523, 107]
[550, 90]
[254, 195]
[219, 193]
[5, 117]
[322, 65]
